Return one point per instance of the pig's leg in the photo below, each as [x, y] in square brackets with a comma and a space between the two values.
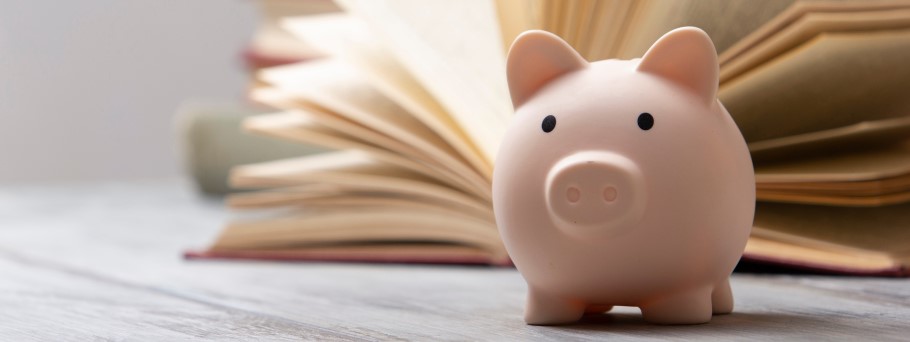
[722, 298]
[689, 307]
[544, 309]
[597, 309]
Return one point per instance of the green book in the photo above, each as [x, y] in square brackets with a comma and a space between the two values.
[212, 142]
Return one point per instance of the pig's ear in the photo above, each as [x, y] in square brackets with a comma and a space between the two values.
[687, 57]
[535, 59]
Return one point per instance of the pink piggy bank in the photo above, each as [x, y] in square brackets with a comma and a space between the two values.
[622, 182]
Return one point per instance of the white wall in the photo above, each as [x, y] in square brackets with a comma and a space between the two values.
[88, 88]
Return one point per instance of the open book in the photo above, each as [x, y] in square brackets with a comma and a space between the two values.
[413, 97]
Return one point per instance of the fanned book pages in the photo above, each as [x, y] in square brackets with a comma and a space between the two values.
[273, 45]
[412, 97]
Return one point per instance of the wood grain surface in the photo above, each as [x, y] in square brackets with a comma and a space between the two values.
[103, 261]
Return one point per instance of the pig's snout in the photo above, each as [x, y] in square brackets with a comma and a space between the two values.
[595, 194]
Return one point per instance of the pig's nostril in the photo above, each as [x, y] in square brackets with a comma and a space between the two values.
[609, 194]
[573, 194]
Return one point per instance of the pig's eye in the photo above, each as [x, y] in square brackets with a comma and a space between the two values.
[645, 121]
[548, 124]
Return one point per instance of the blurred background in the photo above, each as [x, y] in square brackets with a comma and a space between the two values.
[89, 89]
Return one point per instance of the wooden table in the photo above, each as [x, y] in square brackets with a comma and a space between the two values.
[103, 260]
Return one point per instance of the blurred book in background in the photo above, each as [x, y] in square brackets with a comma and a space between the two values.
[412, 95]
[213, 143]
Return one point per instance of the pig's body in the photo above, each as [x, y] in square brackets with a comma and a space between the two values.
[641, 194]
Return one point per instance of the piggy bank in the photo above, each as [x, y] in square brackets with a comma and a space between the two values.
[622, 182]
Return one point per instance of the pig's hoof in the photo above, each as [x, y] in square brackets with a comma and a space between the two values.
[722, 298]
[548, 310]
[692, 307]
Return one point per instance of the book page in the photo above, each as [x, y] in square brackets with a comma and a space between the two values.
[849, 200]
[570, 16]
[272, 42]
[515, 17]
[463, 68]
[628, 28]
[588, 12]
[304, 127]
[336, 86]
[446, 169]
[346, 163]
[809, 26]
[863, 135]
[846, 167]
[338, 197]
[389, 224]
[608, 27]
[313, 114]
[359, 251]
[900, 183]
[349, 39]
[725, 21]
[552, 15]
[284, 196]
[794, 13]
[791, 250]
[863, 77]
[354, 169]
[882, 229]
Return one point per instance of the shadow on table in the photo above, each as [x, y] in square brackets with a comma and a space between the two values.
[735, 324]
